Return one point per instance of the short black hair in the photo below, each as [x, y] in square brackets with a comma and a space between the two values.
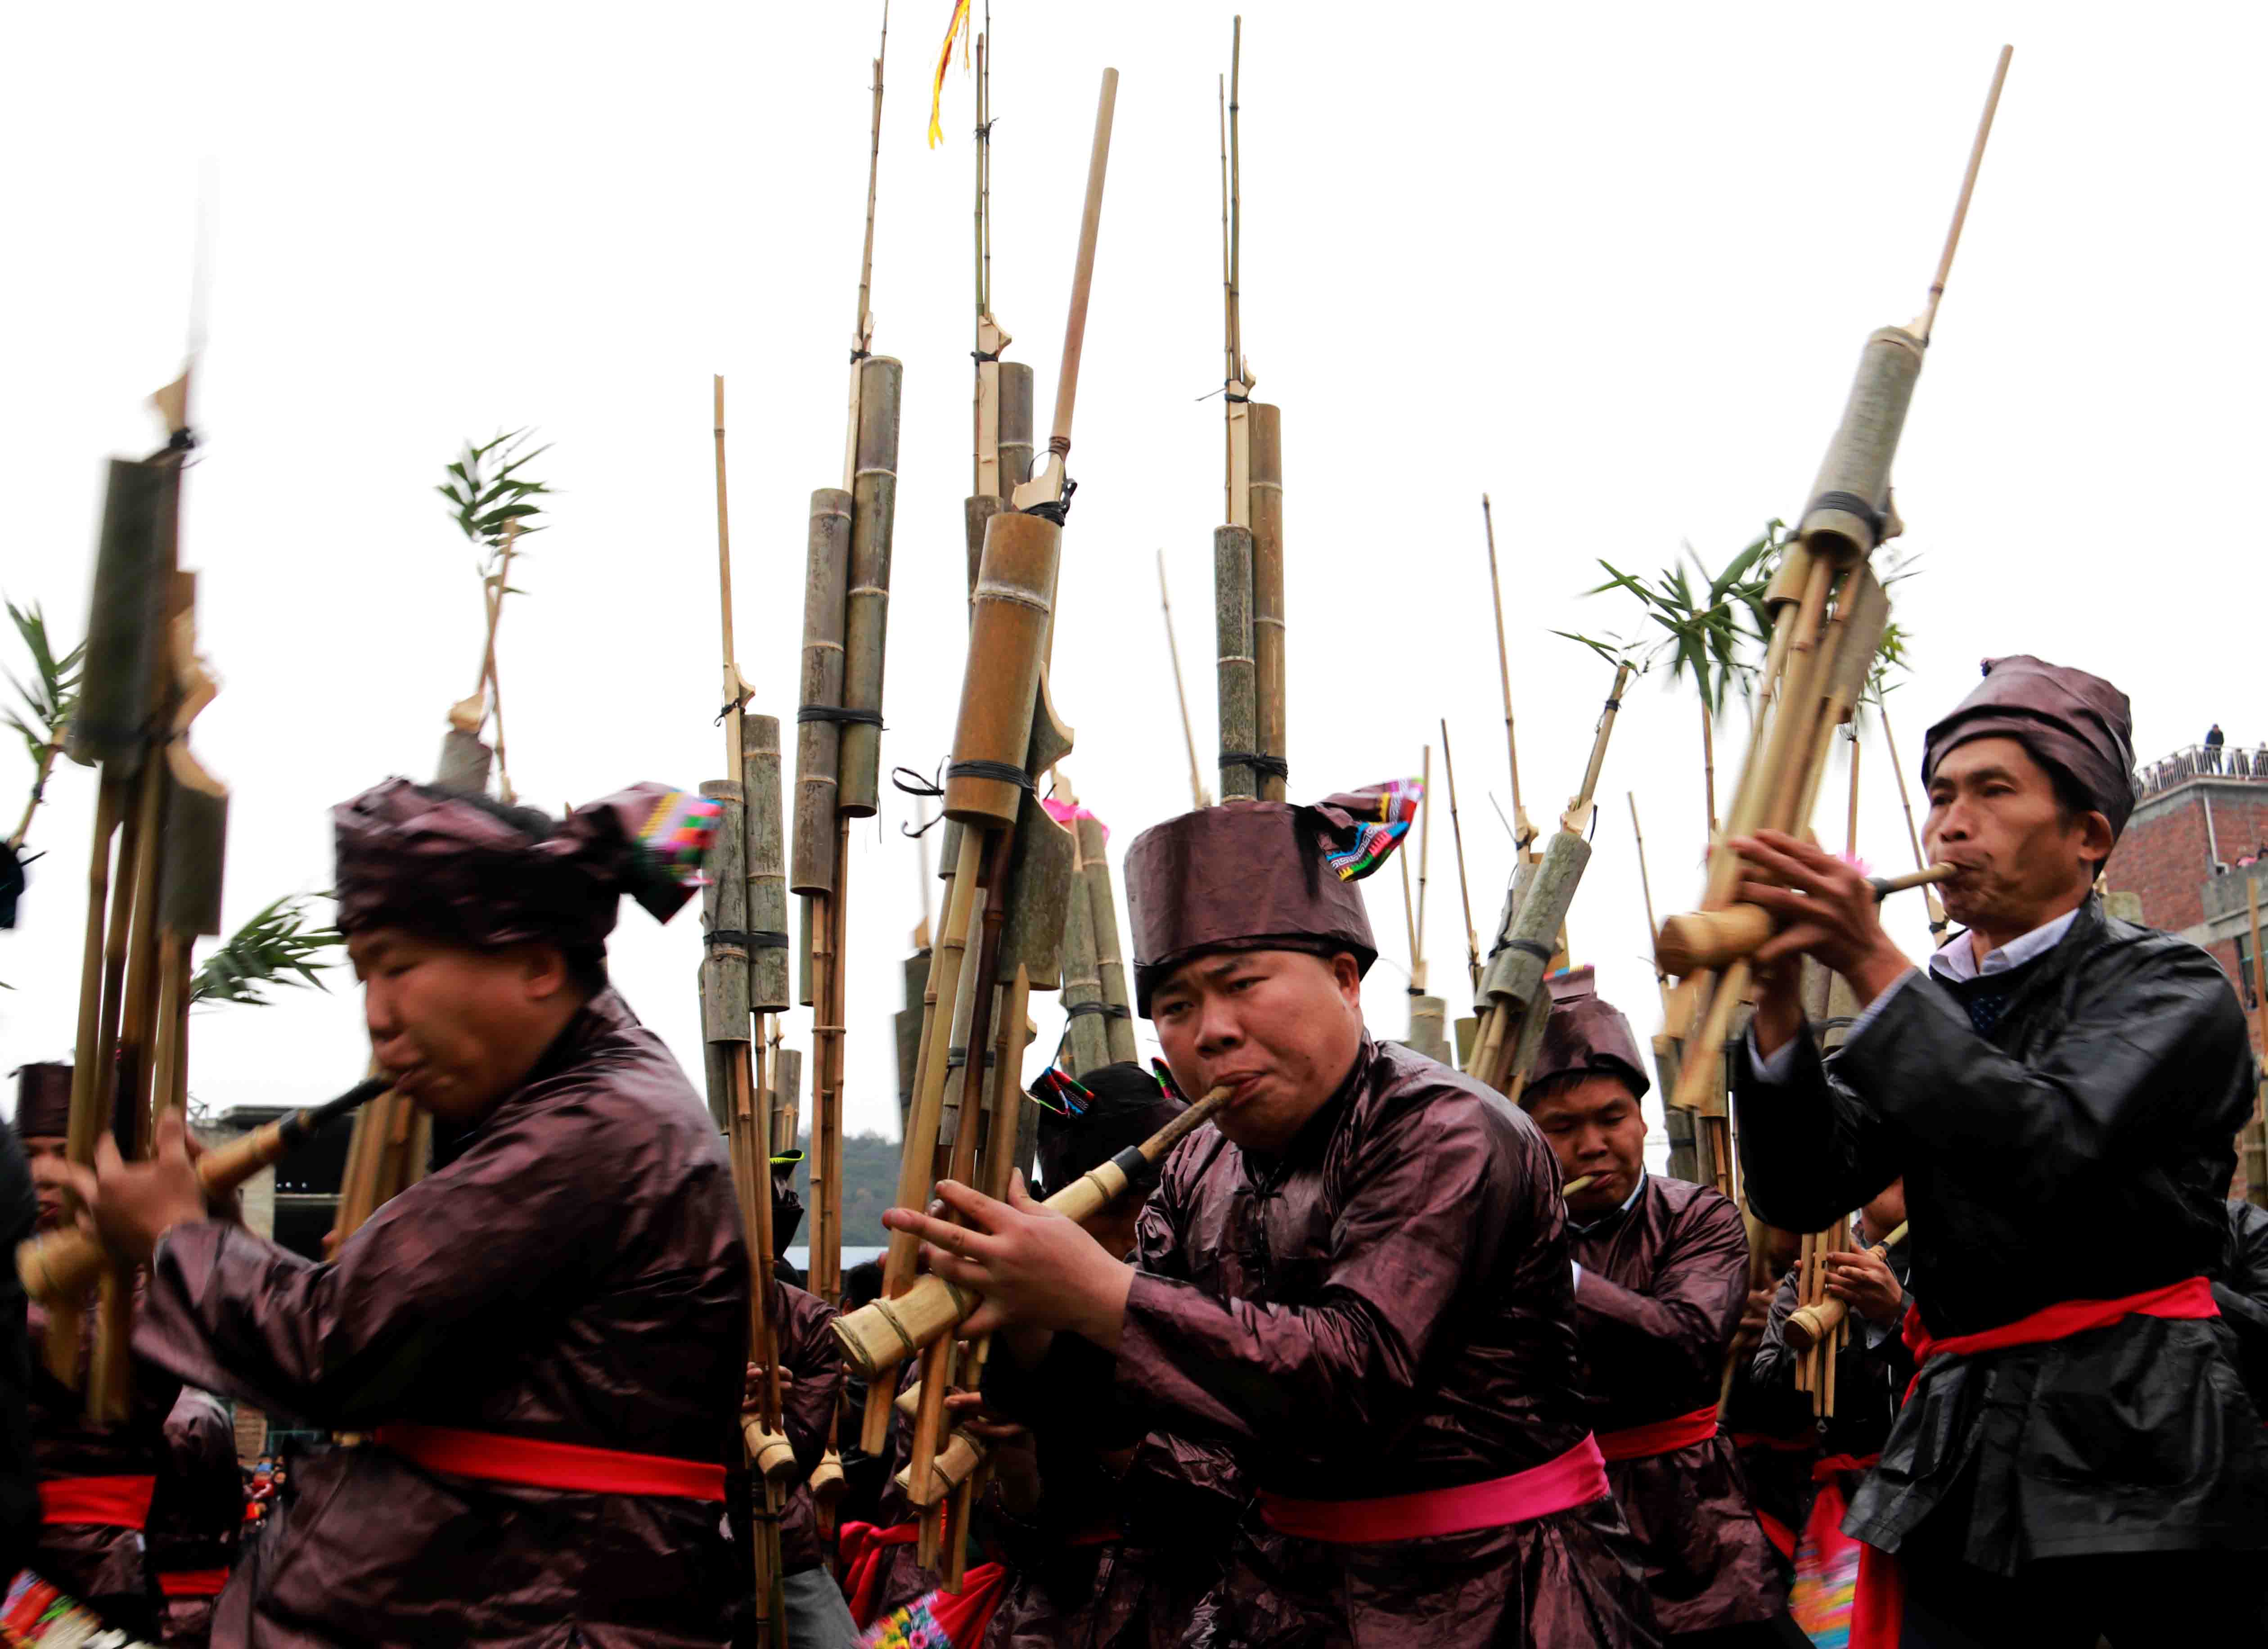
[2073, 801]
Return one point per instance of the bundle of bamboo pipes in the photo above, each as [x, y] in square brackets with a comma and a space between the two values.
[1829, 612]
[141, 687]
[1819, 1328]
[58, 1267]
[1011, 860]
[744, 986]
[1512, 998]
[1249, 550]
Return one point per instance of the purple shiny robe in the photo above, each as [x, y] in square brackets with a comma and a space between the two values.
[198, 1513]
[574, 1274]
[1385, 1308]
[808, 1351]
[103, 1566]
[1657, 1307]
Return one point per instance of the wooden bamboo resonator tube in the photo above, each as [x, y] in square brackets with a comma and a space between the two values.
[880, 1335]
[1808, 1325]
[1712, 939]
[63, 1265]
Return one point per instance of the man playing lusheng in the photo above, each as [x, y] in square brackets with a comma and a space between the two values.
[1662, 1271]
[2061, 1091]
[544, 1338]
[1359, 1283]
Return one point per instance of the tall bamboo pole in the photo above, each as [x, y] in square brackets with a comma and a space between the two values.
[1523, 832]
[1198, 799]
[1457, 831]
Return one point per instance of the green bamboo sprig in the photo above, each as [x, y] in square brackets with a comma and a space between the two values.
[48, 699]
[280, 947]
[495, 506]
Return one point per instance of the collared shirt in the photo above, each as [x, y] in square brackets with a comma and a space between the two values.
[1629, 1203]
[1955, 961]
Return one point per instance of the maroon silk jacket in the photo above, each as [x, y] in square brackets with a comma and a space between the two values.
[197, 1515]
[103, 1567]
[1657, 1307]
[1385, 1308]
[808, 1351]
[574, 1274]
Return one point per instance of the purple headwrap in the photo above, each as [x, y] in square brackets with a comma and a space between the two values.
[1586, 1035]
[1261, 876]
[469, 871]
[2066, 717]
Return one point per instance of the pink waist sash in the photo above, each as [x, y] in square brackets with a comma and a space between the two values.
[1576, 1478]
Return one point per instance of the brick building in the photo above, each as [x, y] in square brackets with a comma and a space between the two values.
[2193, 856]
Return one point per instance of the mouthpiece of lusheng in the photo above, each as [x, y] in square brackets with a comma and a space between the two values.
[1581, 1183]
[63, 1265]
[884, 1333]
[1702, 939]
[1808, 1325]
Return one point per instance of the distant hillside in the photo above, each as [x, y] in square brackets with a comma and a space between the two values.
[870, 1184]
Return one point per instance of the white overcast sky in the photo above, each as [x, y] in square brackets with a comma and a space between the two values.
[1611, 263]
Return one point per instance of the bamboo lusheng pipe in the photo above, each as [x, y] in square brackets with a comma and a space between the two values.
[1083, 1008]
[1646, 890]
[1199, 798]
[916, 1157]
[759, 779]
[862, 330]
[1581, 1183]
[1109, 961]
[1513, 1029]
[997, 1158]
[929, 1421]
[61, 1265]
[873, 509]
[880, 1335]
[1235, 677]
[1464, 890]
[1267, 614]
[1937, 924]
[1702, 939]
[818, 738]
[827, 1034]
[1048, 486]
[1808, 1325]
[132, 685]
[1008, 641]
[1523, 832]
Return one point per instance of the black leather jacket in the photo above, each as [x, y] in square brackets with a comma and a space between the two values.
[2081, 1150]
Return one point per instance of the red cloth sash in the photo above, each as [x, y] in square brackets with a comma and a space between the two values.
[861, 1549]
[1878, 1615]
[492, 1457]
[193, 1582]
[1781, 1536]
[1661, 1436]
[940, 1619]
[1576, 1478]
[107, 1502]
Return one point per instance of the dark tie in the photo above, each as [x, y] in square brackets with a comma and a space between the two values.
[1986, 997]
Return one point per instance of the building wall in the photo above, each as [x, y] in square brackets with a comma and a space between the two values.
[2163, 855]
[2165, 860]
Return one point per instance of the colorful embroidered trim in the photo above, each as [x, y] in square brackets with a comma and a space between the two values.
[678, 833]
